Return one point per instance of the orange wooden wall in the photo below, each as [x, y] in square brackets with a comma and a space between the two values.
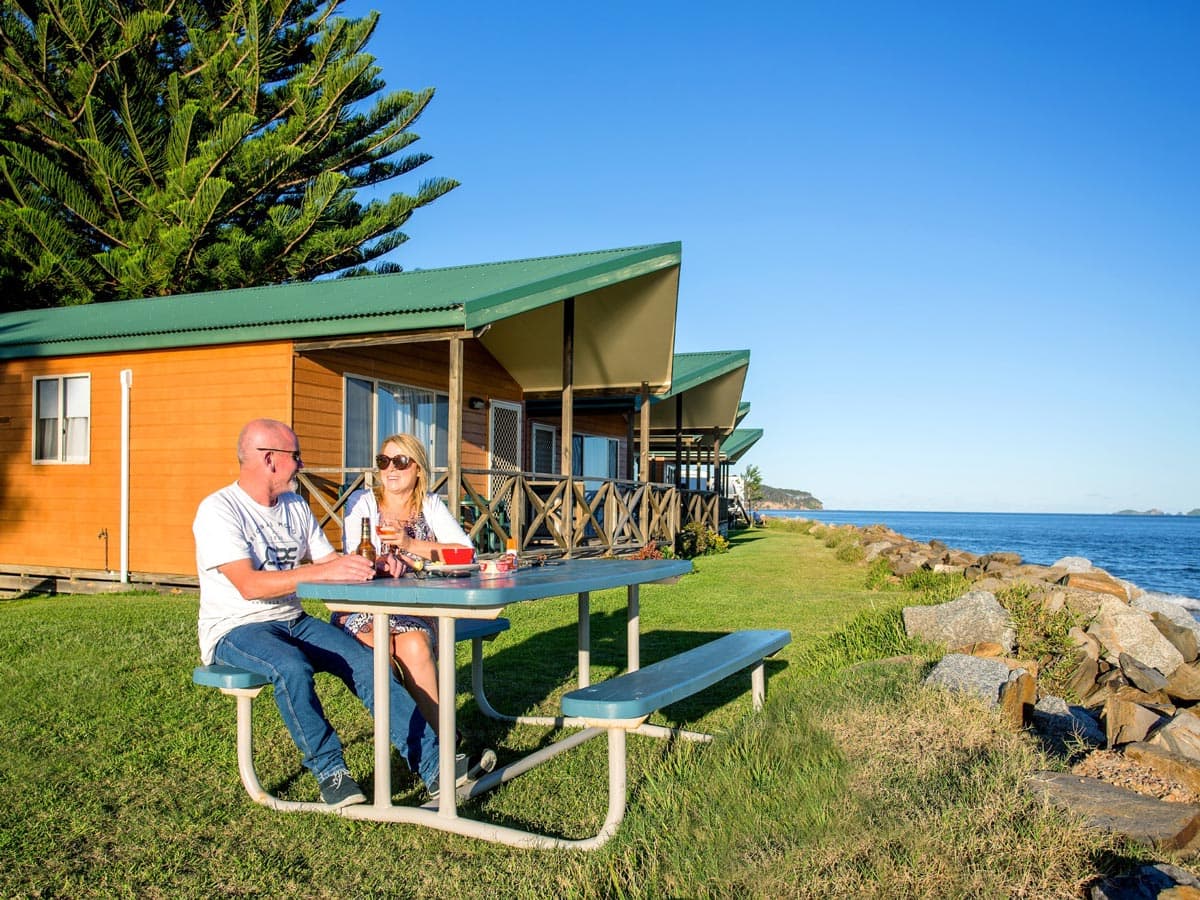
[186, 408]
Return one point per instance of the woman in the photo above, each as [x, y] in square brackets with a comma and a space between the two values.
[422, 525]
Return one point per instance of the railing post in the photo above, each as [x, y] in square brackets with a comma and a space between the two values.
[610, 516]
[516, 508]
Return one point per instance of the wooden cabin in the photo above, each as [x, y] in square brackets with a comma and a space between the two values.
[118, 418]
[688, 424]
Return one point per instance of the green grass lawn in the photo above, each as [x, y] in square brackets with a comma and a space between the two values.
[118, 777]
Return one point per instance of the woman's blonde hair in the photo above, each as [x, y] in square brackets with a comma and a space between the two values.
[414, 450]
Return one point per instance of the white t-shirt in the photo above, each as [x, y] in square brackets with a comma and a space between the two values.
[229, 526]
[363, 505]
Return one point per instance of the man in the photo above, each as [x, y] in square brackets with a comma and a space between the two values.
[252, 540]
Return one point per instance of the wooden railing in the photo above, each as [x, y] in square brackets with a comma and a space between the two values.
[606, 516]
[700, 506]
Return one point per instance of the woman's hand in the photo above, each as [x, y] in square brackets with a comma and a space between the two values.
[391, 564]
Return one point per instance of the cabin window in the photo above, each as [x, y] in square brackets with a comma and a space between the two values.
[544, 460]
[360, 419]
[377, 409]
[594, 457]
[62, 411]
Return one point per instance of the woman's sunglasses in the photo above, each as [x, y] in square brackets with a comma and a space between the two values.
[400, 461]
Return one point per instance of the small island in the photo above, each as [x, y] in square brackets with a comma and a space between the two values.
[1153, 512]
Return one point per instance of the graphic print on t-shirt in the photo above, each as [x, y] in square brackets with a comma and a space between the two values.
[275, 547]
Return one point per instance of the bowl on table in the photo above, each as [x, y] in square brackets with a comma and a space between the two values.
[457, 556]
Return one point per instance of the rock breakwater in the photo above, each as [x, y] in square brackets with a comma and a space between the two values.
[1103, 673]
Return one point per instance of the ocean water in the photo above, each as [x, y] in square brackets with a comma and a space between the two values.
[1160, 554]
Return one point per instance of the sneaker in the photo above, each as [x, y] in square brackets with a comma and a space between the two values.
[465, 769]
[481, 763]
[339, 790]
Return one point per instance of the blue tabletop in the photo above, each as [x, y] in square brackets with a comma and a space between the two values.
[477, 592]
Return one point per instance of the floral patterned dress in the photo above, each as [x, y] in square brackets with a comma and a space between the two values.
[362, 622]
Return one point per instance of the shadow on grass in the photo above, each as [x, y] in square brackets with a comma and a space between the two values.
[42, 591]
[1127, 877]
[737, 538]
[524, 677]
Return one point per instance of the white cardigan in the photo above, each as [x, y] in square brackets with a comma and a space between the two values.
[362, 505]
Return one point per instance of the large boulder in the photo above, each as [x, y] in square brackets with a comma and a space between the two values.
[1171, 766]
[1086, 642]
[1073, 564]
[1100, 582]
[1060, 723]
[1181, 636]
[1151, 881]
[1126, 721]
[1082, 680]
[992, 680]
[1121, 628]
[1168, 826]
[877, 548]
[975, 617]
[1172, 612]
[1184, 683]
[906, 564]
[1141, 676]
[1017, 697]
[1180, 735]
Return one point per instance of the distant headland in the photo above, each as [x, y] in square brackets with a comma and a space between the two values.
[1153, 512]
[787, 498]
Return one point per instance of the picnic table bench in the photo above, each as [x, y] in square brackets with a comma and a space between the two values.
[627, 700]
[467, 608]
[622, 704]
[245, 685]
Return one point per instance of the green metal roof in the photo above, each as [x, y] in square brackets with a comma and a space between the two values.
[459, 297]
[692, 370]
[710, 385]
[743, 411]
[736, 445]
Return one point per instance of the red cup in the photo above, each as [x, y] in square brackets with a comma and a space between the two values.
[457, 556]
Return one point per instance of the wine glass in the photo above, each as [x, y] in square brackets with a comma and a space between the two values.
[389, 536]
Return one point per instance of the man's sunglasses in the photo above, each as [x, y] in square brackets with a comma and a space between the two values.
[294, 454]
[400, 461]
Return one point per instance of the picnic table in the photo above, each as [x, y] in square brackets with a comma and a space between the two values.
[464, 605]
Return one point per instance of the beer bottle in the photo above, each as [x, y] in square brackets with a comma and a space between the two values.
[365, 547]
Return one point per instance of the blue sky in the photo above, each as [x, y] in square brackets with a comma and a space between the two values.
[961, 241]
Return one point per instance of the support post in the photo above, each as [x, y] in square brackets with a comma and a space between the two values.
[454, 431]
[568, 423]
[644, 462]
[585, 639]
[633, 629]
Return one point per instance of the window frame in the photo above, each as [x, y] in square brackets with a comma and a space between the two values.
[555, 457]
[376, 435]
[60, 418]
[579, 455]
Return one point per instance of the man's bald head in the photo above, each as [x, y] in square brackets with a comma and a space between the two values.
[263, 433]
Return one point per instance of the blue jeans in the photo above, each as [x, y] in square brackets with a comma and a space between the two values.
[289, 653]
